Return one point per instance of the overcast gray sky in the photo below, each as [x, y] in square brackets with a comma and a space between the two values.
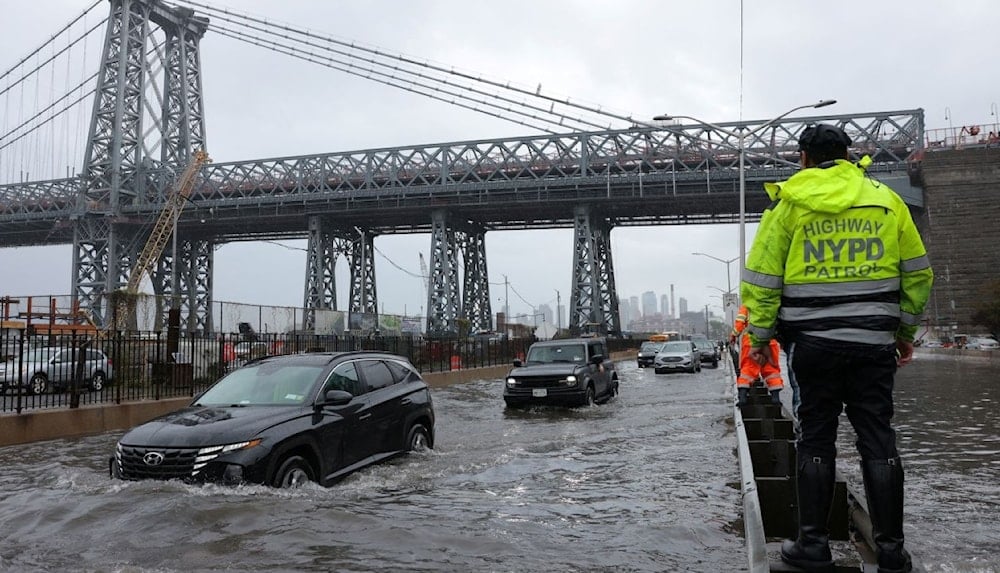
[642, 58]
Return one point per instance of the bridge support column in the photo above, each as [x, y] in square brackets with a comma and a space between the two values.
[593, 301]
[363, 294]
[442, 292]
[476, 306]
[323, 251]
[100, 265]
[194, 274]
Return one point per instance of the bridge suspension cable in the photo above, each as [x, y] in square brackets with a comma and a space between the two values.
[34, 96]
[543, 110]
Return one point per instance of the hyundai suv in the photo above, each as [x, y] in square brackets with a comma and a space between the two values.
[285, 420]
[47, 369]
[568, 372]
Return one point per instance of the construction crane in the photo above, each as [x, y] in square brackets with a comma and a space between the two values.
[125, 299]
[164, 226]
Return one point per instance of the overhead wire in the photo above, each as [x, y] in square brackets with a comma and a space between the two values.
[560, 120]
[409, 61]
[236, 35]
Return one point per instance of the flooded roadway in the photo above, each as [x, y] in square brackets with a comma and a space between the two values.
[641, 484]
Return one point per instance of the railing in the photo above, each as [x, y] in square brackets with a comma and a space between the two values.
[140, 366]
[964, 136]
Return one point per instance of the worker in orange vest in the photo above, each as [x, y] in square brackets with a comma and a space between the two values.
[750, 369]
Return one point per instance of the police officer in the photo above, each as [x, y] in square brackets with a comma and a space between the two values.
[839, 274]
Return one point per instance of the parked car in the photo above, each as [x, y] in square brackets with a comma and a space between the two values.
[981, 344]
[568, 372]
[285, 420]
[677, 355]
[45, 369]
[708, 351]
[647, 352]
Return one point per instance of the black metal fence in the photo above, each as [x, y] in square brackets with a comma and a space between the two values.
[63, 371]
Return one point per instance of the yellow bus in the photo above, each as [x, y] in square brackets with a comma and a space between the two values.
[666, 336]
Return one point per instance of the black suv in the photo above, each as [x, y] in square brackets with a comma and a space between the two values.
[708, 350]
[285, 420]
[647, 352]
[568, 372]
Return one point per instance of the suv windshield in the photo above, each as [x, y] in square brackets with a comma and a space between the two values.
[558, 353]
[264, 384]
[650, 346]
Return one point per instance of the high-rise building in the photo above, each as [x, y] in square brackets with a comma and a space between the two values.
[546, 312]
[648, 304]
[683, 306]
[665, 305]
[633, 303]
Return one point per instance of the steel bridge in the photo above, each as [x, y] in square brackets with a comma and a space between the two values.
[590, 181]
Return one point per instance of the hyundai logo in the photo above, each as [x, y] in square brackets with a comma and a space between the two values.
[153, 458]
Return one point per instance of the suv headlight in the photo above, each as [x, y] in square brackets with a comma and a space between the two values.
[511, 382]
[208, 454]
[570, 380]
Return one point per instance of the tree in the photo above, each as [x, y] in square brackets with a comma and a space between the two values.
[987, 312]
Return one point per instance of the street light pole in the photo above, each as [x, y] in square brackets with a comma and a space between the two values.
[741, 138]
[727, 262]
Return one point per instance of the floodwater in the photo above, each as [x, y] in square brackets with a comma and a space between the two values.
[644, 483]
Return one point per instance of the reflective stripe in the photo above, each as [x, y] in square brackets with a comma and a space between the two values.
[795, 313]
[909, 319]
[761, 333]
[762, 280]
[879, 337]
[917, 264]
[840, 289]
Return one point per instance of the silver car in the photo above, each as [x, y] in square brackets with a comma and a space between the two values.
[48, 369]
[677, 355]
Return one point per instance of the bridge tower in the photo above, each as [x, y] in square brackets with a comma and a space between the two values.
[594, 300]
[138, 142]
[476, 306]
[364, 297]
[443, 303]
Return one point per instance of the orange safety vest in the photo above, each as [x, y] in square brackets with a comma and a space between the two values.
[750, 370]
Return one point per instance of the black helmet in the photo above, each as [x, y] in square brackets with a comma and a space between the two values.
[823, 136]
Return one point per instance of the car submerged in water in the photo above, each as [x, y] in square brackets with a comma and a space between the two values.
[566, 372]
[286, 420]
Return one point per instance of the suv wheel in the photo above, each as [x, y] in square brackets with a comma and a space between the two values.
[588, 399]
[39, 384]
[418, 439]
[294, 472]
[98, 380]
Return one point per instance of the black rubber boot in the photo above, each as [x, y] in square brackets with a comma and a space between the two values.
[811, 551]
[884, 488]
[742, 396]
[776, 397]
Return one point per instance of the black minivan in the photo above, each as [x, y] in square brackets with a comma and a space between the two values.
[285, 420]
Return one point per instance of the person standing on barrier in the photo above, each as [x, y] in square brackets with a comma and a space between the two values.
[839, 273]
[751, 370]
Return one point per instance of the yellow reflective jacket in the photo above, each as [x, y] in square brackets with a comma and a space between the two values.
[836, 258]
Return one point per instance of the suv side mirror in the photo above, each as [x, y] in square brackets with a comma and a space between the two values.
[597, 359]
[337, 398]
[518, 363]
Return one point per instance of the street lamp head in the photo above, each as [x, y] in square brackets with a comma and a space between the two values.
[825, 102]
[663, 117]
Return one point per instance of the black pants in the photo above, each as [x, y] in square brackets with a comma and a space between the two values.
[829, 381]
